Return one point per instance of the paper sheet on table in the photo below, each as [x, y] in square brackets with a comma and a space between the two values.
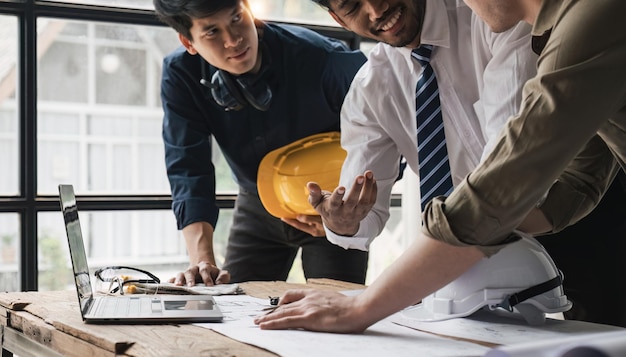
[489, 327]
[382, 339]
[604, 344]
[198, 289]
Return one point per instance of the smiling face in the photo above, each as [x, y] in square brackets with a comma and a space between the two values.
[227, 40]
[395, 22]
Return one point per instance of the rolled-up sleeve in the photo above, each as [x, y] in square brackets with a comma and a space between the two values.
[580, 86]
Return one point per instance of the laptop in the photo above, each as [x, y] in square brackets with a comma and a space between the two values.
[126, 308]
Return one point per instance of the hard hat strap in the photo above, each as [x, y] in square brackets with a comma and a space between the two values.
[526, 294]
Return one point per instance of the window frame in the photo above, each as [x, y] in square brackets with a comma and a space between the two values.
[27, 204]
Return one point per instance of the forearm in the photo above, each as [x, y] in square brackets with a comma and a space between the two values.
[199, 241]
[535, 223]
[425, 267]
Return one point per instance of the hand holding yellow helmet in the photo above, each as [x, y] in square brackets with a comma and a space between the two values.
[284, 173]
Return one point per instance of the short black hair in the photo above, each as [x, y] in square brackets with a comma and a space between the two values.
[179, 14]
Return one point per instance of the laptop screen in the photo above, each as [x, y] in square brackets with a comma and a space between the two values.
[77, 249]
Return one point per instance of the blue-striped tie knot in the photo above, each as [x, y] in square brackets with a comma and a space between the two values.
[422, 54]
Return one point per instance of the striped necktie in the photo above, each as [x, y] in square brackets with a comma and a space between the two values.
[434, 168]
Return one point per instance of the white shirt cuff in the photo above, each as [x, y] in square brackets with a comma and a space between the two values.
[353, 242]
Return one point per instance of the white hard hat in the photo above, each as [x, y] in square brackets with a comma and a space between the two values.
[520, 279]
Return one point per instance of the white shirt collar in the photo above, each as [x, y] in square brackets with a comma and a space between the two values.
[436, 28]
[435, 31]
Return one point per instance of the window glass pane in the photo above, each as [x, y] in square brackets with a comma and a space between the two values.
[133, 4]
[224, 181]
[115, 32]
[71, 28]
[8, 107]
[296, 11]
[111, 126]
[120, 166]
[63, 73]
[59, 123]
[146, 128]
[54, 266]
[9, 251]
[388, 246]
[150, 181]
[115, 66]
[99, 107]
[366, 46]
[144, 239]
[97, 180]
[400, 231]
[59, 162]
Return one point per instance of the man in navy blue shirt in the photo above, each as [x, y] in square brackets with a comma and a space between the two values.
[253, 87]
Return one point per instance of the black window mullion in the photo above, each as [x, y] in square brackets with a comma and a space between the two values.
[27, 87]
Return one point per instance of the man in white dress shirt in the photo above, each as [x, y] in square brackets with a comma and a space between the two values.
[480, 75]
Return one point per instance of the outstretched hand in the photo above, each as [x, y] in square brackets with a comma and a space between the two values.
[314, 310]
[342, 213]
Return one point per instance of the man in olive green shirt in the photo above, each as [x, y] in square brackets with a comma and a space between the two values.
[553, 163]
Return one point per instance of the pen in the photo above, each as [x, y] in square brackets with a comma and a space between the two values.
[269, 310]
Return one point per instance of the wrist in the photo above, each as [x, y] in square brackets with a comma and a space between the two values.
[358, 313]
[210, 260]
[343, 231]
[199, 242]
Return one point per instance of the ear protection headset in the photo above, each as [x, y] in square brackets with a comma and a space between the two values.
[235, 92]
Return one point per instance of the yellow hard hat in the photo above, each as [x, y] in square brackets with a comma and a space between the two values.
[284, 173]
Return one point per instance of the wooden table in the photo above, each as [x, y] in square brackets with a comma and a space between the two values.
[49, 324]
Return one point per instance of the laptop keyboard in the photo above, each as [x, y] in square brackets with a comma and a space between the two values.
[124, 306]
